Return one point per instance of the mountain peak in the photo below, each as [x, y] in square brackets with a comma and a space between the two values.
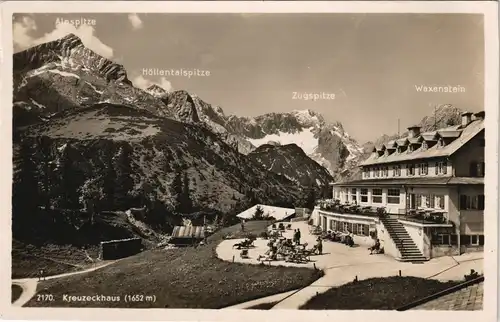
[72, 38]
[156, 90]
[70, 54]
[308, 117]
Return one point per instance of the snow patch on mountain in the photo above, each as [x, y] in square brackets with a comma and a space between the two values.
[94, 88]
[37, 104]
[305, 139]
[56, 71]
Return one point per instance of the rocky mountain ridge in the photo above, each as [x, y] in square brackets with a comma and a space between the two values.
[291, 161]
[64, 74]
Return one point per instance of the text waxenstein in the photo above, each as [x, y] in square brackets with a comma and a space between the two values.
[440, 89]
[90, 298]
[175, 72]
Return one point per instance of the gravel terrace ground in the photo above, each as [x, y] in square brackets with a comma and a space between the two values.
[343, 264]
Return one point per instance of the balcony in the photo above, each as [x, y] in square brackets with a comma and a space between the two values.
[421, 216]
[350, 209]
[425, 216]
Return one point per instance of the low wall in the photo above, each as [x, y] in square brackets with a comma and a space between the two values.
[115, 249]
[444, 250]
[471, 249]
[386, 241]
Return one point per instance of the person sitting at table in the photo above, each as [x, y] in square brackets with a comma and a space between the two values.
[375, 247]
[349, 241]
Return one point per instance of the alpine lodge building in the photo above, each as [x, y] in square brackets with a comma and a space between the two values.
[422, 195]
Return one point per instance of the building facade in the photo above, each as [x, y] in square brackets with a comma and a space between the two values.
[430, 184]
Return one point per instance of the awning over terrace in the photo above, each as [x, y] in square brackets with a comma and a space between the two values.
[277, 213]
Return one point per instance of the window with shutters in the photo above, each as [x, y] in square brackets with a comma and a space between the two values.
[364, 195]
[424, 169]
[471, 202]
[418, 201]
[353, 195]
[480, 202]
[480, 169]
[411, 169]
[431, 200]
[473, 167]
[377, 196]
[393, 196]
[439, 202]
[441, 239]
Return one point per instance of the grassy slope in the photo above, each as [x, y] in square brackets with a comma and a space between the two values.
[28, 260]
[377, 294]
[181, 278]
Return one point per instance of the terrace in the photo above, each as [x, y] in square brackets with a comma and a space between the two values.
[421, 216]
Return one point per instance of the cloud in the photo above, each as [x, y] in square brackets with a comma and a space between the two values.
[144, 83]
[21, 31]
[135, 21]
[23, 40]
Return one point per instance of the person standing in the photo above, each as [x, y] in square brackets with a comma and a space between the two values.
[319, 246]
[298, 236]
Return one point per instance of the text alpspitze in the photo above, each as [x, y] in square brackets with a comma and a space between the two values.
[76, 22]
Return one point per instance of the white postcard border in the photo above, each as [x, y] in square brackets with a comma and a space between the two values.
[488, 8]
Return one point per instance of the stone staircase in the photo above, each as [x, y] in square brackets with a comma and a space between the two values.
[404, 243]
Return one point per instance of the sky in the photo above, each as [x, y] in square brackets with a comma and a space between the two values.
[365, 68]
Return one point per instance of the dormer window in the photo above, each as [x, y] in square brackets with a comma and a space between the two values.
[424, 145]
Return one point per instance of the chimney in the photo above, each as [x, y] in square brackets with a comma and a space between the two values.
[479, 115]
[413, 131]
[466, 118]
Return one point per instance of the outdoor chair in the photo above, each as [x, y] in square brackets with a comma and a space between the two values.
[244, 253]
[247, 243]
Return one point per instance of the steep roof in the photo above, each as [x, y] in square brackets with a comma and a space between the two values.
[188, 232]
[463, 136]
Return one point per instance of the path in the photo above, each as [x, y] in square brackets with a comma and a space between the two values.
[343, 264]
[29, 285]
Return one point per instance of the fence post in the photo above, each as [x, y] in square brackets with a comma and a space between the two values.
[233, 258]
[399, 272]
